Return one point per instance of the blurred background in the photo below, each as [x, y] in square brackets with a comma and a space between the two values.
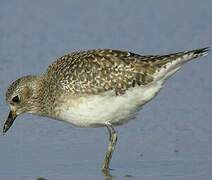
[171, 137]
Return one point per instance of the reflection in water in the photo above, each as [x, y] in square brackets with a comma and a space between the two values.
[128, 176]
[40, 178]
[109, 176]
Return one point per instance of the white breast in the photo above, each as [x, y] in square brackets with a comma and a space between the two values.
[96, 110]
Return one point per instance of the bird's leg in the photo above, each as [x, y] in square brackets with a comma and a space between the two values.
[112, 143]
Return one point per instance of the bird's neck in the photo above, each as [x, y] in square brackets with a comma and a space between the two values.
[36, 104]
[43, 99]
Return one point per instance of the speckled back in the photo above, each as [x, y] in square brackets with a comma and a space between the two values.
[100, 70]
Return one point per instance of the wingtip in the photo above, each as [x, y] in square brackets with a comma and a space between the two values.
[202, 51]
[206, 49]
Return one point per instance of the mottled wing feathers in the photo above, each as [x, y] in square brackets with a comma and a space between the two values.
[97, 71]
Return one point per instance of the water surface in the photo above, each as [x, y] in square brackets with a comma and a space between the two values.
[171, 138]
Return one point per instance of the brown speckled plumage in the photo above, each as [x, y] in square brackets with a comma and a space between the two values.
[100, 70]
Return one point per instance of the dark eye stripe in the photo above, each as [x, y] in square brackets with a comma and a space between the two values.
[16, 99]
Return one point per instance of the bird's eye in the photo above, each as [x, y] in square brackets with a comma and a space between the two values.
[16, 99]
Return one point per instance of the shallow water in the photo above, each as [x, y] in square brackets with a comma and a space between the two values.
[171, 138]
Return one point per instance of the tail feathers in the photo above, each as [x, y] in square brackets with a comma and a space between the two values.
[197, 52]
[182, 57]
[175, 61]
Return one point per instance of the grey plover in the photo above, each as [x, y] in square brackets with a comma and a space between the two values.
[95, 88]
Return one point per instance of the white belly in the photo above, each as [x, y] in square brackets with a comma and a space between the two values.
[96, 110]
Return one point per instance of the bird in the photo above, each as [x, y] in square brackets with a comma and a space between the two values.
[95, 88]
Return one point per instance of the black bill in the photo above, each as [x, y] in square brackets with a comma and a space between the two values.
[8, 123]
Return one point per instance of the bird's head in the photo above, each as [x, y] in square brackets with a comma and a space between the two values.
[21, 96]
